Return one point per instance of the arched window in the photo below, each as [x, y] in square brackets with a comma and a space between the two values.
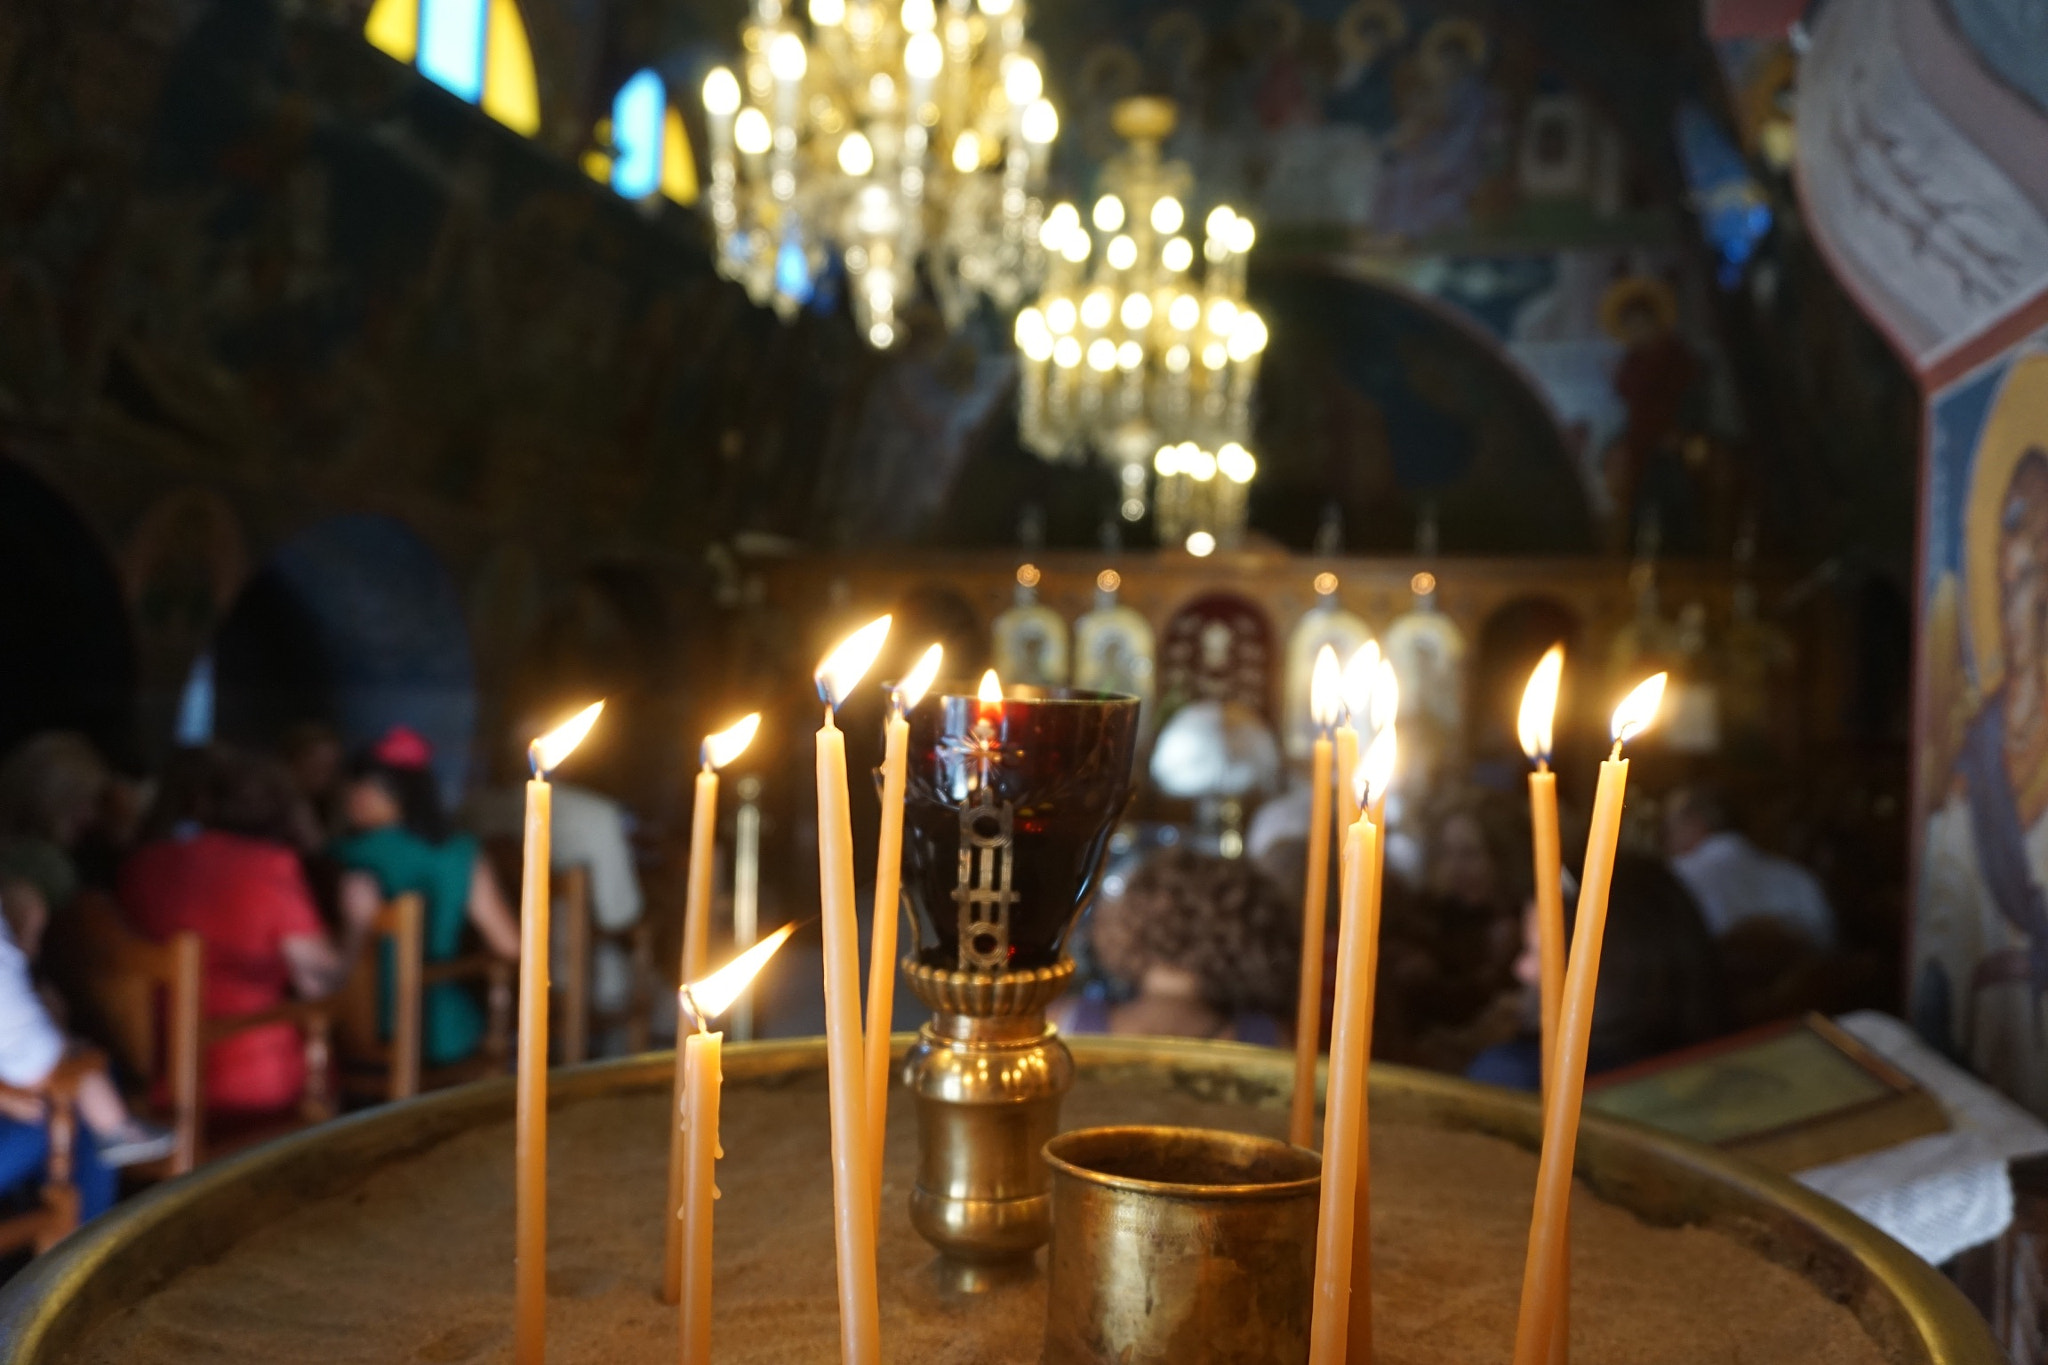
[652, 153]
[474, 48]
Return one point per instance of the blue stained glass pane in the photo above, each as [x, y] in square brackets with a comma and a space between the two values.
[792, 271]
[452, 45]
[636, 135]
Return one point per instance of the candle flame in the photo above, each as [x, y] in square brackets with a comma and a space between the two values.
[715, 994]
[991, 690]
[1376, 769]
[1539, 705]
[845, 666]
[1326, 689]
[1386, 697]
[728, 744]
[911, 690]
[1639, 708]
[547, 752]
[1358, 674]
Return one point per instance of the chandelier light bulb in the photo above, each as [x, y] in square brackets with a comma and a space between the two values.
[1242, 235]
[1123, 252]
[1022, 82]
[787, 59]
[1166, 463]
[882, 335]
[1129, 356]
[1222, 316]
[1136, 312]
[967, 154]
[1095, 309]
[856, 154]
[1102, 355]
[1109, 213]
[1248, 336]
[923, 55]
[1200, 466]
[1184, 313]
[721, 93]
[918, 16]
[1059, 316]
[1177, 360]
[1236, 464]
[1041, 123]
[828, 13]
[1218, 223]
[751, 133]
[1214, 356]
[1076, 246]
[1066, 352]
[1167, 214]
[996, 9]
[1177, 255]
[1201, 544]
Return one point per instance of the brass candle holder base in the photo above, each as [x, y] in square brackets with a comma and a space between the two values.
[988, 1074]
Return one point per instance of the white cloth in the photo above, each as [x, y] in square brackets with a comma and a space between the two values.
[1946, 1192]
[30, 1043]
[589, 832]
[1733, 880]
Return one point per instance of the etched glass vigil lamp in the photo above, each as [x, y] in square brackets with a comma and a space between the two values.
[1012, 797]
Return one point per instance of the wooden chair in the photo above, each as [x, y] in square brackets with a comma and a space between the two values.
[576, 1016]
[56, 1211]
[378, 1068]
[147, 997]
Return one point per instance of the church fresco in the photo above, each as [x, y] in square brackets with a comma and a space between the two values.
[1980, 951]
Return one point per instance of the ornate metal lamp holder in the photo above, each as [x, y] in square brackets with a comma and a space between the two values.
[1011, 804]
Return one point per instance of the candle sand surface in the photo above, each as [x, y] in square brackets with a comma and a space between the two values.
[415, 1263]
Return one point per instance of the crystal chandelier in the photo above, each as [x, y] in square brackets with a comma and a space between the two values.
[824, 144]
[1128, 355]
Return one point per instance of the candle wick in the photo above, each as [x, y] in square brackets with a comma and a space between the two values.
[829, 723]
[1543, 763]
[1615, 757]
[688, 999]
[533, 759]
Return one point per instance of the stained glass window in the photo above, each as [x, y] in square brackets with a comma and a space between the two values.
[651, 147]
[476, 49]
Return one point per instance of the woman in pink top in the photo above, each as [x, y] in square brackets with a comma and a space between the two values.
[220, 867]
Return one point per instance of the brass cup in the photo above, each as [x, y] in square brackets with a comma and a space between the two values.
[1180, 1246]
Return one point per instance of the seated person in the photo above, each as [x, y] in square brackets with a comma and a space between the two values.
[221, 866]
[1659, 986]
[1733, 880]
[590, 831]
[1210, 945]
[52, 790]
[31, 1046]
[402, 837]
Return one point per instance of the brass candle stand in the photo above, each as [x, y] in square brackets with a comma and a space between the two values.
[988, 1073]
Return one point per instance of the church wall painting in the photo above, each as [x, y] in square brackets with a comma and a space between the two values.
[1979, 959]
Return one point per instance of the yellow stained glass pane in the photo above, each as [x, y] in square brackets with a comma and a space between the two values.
[678, 162]
[511, 95]
[598, 167]
[394, 27]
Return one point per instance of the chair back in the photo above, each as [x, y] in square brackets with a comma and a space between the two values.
[402, 923]
[147, 997]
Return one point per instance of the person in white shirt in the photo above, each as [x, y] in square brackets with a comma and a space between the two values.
[591, 831]
[1733, 880]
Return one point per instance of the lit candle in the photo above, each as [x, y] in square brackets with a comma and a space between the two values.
[1343, 1240]
[1542, 1273]
[853, 1191]
[1359, 671]
[697, 1132]
[903, 699]
[716, 751]
[1324, 703]
[1535, 726]
[530, 1142]
[1383, 712]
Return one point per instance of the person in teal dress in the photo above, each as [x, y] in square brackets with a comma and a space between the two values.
[400, 834]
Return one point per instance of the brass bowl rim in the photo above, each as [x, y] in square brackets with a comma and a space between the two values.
[48, 1307]
[1177, 1189]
